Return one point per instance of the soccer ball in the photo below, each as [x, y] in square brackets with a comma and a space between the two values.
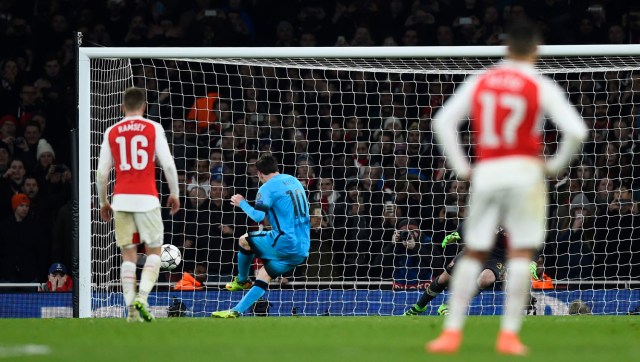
[170, 257]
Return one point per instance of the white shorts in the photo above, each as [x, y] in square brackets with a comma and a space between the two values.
[518, 204]
[147, 225]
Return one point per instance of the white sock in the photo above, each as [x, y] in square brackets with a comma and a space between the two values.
[128, 280]
[149, 275]
[463, 287]
[517, 288]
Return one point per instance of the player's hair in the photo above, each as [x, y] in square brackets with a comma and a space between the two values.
[267, 164]
[133, 98]
[522, 38]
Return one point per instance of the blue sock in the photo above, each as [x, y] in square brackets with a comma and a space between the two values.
[244, 263]
[257, 291]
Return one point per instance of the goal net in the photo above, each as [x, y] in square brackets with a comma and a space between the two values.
[356, 132]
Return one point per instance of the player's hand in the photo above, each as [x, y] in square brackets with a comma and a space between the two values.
[533, 270]
[106, 211]
[453, 237]
[236, 199]
[61, 281]
[174, 203]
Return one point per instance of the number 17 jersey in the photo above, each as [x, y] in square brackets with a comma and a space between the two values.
[284, 201]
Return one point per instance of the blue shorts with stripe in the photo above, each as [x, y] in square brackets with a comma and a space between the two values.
[263, 244]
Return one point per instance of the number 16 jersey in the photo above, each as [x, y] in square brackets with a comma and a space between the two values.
[131, 146]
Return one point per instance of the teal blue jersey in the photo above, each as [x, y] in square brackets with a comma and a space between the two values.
[283, 201]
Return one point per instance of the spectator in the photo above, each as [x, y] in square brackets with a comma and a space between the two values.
[320, 260]
[357, 247]
[8, 127]
[382, 265]
[138, 32]
[574, 248]
[20, 238]
[308, 39]
[330, 200]
[201, 176]
[27, 105]
[5, 157]
[40, 207]
[285, 36]
[58, 279]
[27, 148]
[491, 30]
[182, 148]
[405, 252]
[222, 225]
[9, 83]
[362, 37]
[305, 173]
[195, 227]
[45, 156]
[616, 234]
[410, 37]
[444, 36]
[10, 184]
[616, 34]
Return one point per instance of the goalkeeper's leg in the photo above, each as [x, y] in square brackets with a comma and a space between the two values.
[462, 289]
[486, 279]
[434, 289]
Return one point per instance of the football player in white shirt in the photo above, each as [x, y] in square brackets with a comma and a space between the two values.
[133, 145]
[505, 104]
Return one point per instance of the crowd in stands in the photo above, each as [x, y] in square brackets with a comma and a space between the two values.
[360, 142]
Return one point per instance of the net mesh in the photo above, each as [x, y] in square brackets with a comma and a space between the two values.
[356, 133]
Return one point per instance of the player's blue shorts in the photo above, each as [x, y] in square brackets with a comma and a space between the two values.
[276, 264]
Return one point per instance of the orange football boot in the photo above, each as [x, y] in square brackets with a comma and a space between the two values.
[447, 343]
[509, 344]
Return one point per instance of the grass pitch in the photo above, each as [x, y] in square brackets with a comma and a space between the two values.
[334, 339]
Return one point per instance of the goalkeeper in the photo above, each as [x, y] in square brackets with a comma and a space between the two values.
[493, 270]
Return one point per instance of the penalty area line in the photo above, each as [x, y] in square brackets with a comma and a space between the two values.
[24, 350]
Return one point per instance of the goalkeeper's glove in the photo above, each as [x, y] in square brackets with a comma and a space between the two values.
[453, 237]
[533, 270]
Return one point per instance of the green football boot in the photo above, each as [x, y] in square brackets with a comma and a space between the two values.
[236, 284]
[443, 309]
[414, 310]
[226, 314]
[143, 309]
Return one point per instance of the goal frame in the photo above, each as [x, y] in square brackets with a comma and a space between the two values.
[86, 54]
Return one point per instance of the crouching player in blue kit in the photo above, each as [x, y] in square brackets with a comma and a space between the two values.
[283, 201]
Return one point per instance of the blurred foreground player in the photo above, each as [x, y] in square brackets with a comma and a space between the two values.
[505, 104]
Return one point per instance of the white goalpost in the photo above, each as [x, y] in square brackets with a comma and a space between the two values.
[353, 125]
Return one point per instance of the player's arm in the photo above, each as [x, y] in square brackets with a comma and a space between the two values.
[446, 124]
[257, 213]
[574, 131]
[163, 153]
[105, 162]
